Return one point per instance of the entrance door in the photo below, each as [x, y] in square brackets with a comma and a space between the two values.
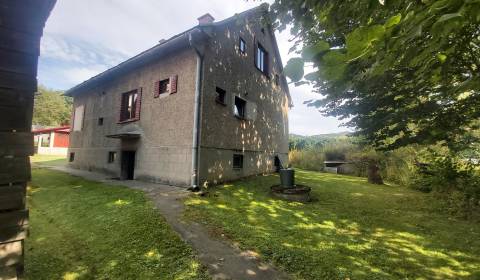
[128, 165]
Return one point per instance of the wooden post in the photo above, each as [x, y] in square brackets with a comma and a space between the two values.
[21, 27]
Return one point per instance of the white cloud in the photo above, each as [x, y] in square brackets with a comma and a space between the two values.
[85, 37]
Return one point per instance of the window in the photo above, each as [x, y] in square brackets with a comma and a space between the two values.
[262, 59]
[277, 80]
[72, 157]
[100, 121]
[239, 108]
[112, 156]
[242, 46]
[78, 118]
[45, 140]
[220, 98]
[128, 110]
[164, 86]
[237, 161]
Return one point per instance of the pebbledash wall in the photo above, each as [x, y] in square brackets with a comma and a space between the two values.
[263, 134]
[164, 150]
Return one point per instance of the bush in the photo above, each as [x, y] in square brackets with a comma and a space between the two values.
[455, 180]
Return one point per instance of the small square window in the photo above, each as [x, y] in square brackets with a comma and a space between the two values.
[242, 46]
[71, 158]
[164, 86]
[237, 161]
[112, 156]
[221, 93]
[100, 121]
[239, 108]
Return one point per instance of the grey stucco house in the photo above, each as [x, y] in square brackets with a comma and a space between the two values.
[209, 104]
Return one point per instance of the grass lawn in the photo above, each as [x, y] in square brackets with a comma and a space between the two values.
[353, 230]
[48, 160]
[86, 230]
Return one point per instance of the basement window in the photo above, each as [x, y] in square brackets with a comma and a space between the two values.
[112, 156]
[237, 161]
[220, 95]
[100, 121]
[239, 109]
[71, 158]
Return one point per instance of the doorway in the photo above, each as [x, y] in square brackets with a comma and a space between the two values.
[128, 165]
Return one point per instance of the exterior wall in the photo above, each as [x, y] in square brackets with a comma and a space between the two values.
[60, 140]
[164, 150]
[265, 133]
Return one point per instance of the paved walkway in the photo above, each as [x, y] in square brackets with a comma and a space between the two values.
[223, 260]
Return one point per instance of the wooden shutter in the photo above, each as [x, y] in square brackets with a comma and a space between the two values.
[157, 89]
[138, 104]
[122, 108]
[173, 84]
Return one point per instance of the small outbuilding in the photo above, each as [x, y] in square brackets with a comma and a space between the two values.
[52, 141]
[338, 167]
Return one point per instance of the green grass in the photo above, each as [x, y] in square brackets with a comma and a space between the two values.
[86, 230]
[352, 230]
[48, 160]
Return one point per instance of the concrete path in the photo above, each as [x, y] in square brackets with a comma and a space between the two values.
[223, 260]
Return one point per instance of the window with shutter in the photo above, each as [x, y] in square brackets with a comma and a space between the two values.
[130, 105]
[173, 84]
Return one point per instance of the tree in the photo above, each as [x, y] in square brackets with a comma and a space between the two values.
[400, 71]
[51, 108]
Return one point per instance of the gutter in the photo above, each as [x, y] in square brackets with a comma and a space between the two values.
[196, 118]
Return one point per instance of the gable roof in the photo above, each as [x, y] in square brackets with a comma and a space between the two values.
[173, 44]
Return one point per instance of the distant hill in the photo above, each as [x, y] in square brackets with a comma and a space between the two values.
[297, 141]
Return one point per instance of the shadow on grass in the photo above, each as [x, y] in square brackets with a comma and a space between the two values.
[352, 229]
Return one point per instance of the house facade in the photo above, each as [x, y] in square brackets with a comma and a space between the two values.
[207, 105]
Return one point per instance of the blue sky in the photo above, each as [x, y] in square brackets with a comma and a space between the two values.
[85, 37]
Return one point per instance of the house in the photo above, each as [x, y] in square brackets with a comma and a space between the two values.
[207, 105]
[51, 141]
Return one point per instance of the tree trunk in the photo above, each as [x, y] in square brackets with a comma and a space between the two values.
[374, 176]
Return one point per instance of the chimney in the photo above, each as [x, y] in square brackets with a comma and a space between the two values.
[205, 19]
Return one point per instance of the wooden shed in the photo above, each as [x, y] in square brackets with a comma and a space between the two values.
[21, 27]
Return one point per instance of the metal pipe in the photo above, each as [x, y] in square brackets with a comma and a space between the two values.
[196, 118]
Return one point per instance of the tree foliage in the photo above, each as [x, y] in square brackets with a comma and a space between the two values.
[398, 71]
[51, 107]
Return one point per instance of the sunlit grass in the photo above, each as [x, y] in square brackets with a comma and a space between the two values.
[86, 230]
[48, 160]
[352, 230]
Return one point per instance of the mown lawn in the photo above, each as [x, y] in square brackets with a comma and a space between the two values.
[353, 230]
[87, 230]
[48, 160]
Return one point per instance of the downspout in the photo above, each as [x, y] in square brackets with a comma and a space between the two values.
[196, 118]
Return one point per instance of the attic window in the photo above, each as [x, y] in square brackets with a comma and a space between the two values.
[239, 109]
[242, 46]
[261, 59]
[237, 161]
[221, 94]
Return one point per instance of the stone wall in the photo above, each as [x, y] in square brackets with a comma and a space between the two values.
[164, 150]
[264, 132]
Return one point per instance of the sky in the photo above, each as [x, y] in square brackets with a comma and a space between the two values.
[83, 38]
